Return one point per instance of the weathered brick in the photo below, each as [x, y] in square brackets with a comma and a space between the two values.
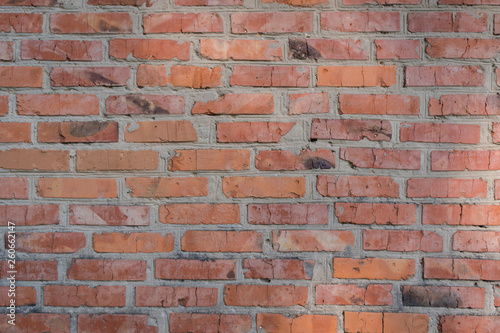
[461, 269]
[149, 49]
[357, 186]
[264, 187]
[308, 103]
[275, 322]
[14, 188]
[379, 104]
[90, 23]
[222, 241]
[174, 297]
[135, 242]
[32, 270]
[350, 294]
[36, 322]
[107, 270]
[116, 160]
[34, 3]
[334, 49]
[381, 158]
[57, 105]
[286, 160]
[462, 48]
[197, 322]
[447, 22]
[373, 268]
[495, 133]
[468, 324]
[209, 159]
[114, 323]
[287, 269]
[25, 296]
[241, 49]
[53, 242]
[182, 23]
[382, 214]
[74, 296]
[167, 187]
[356, 76]
[21, 22]
[440, 133]
[145, 104]
[349, 21]
[78, 132]
[464, 105]
[458, 76]
[235, 104]
[6, 51]
[265, 295]
[89, 76]
[200, 214]
[4, 105]
[270, 76]
[402, 241]
[77, 188]
[61, 50]
[447, 297]
[284, 22]
[293, 214]
[262, 132]
[109, 215]
[34, 159]
[398, 49]
[29, 215]
[161, 131]
[312, 240]
[21, 76]
[180, 76]
[184, 269]
[351, 129]
[462, 160]
[476, 241]
[446, 188]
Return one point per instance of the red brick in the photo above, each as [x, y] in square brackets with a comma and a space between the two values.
[440, 133]
[458, 76]
[476, 241]
[32, 270]
[447, 22]
[161, 131]
[183, 269]
[209, 159]
[152, 76]
[21, 77]
[462, 160]
[312, 240]
[265, 295]
[462, 48]
[446, 188]
[181, 76]
[6, 51]
[495, 133]
[15, 132]
[448, 297]
[480, 215]
[77, 188]
[116, 160]
[464, 105]
[381, 158]
[222, 241]
[241, 49]
[334, 49]
[356, 76]
[496, 295]
[182, 23]
[308, 103]
[280, 323]
[14, 188]
[4, 105]
[351, 129]
[347, 21]
[357, 186]
[107, 270]
[89, 76]
[114, 323]
[381, 2]
[464, 324]
[174, 297]
[109, 215]
[373, 268]
[287, 160]
[461, 269]
[285, 22]
[262, 132]
[292, 214]
[25, 296]
[145, 104]
[270, 76]
[350, 294]
[57, 105]
[236, 104]
[53, 242]
[264, 187]
[21, 23]
[74, 296]
[402, 241]
[33, 3]
[468, 2]
[149, 49]
[134, 242]
[287, 269]
[497, 189]
[36, 322]
[167, 187]
[34, 159]
[90, 23]
[200, 214]
[398, 49]
[209, 2]
[298, 3]
[29, 215]
[78, 132]
[221, 323]
[355, 322]
[61, 50]
[136, 3]
[382, 214]
[379, 104]
[401, 322]
[496, 28]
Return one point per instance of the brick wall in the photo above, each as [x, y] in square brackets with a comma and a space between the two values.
[251, 165]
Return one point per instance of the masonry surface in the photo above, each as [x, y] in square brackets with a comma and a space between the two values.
[245, 166]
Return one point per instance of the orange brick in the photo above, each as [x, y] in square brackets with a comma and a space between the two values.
[29, 215]
[57, 105]
[236, 104]
[209, 159]
[222, 241]
[286, 160]
[379, 104]
[351, 129]
[373, 268]
[241, 49]
[78, 132]
[250, 23]
[161, 131]
[77, 188]
[200, 214]
[53, 242]
[265, 295]
[61, 50]
[446, 188]
[271, 322]
[402, 240]
[35, 159]
[382, 214]
[174, 297]
[264, 187]
[182, 22]
[90, 23]
[381, 158]
[197, 322]
[132, 242]
[356, 76]
[288, 269]
[350, 294]
[270, 76]
[312, 240]
[460, 76]
[184, 269]
[119, 160]
[109, 215]
[149, 49]
[262, 132]
[461, 269]
[145, 104]
[357, 186]
[167, 187]
[350, 21]
[308, 103]
[293, 214]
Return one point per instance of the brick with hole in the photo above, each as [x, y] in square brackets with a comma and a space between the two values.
[333, 49]
[102, 323]
[271, 23]
[453, 76]
[107, 270]
[182, 23]
[90, 23]
[149, 49]
[440, 133]
[165, 296]
[248, 132]
[109, 215]
[21, 77]
[447, 22]
[27, 215]
[379, 104]
[36, 270]
[378, 213]
[287, 214]
[209, 159]
[356, 76]
[270, 76]
[464, 105]
[25, 296]
[222, 241]
[312, 240]
[145, 104]
[281, 269]
[351, 129]
[373, 268]
[193, 213]
[89, 76]
[265, 295]
[264, 187]
[35, 159]
[276, 322]
[446, 188]
[61, 50]
[21, 23]
[191, 269]
[83, 295]
[167, 187]
[362, 21]
[398, 49]
[36, 322]
[116, 160]
[14, 188]
[198, 322]
[57, 105]
[402, 241]
[50, 242]
[236, 104]
[308, 103]
[357, 186]
[160, 131]
[351, 294]
[77, 188]
[241, 49]
[461, 269]
[446, 297]
[134, 242]
[381, 158]
[267, 160]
